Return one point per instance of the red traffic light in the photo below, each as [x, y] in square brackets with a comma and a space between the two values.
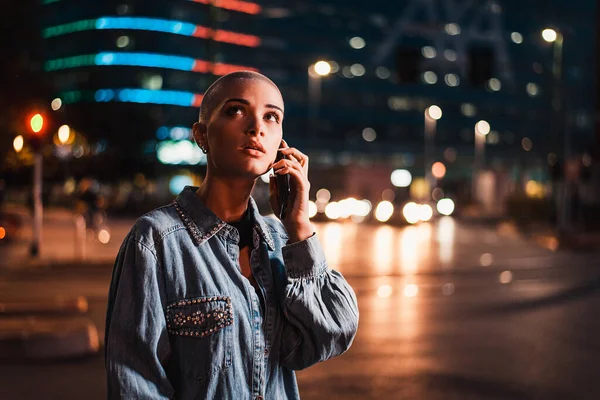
[37, 123]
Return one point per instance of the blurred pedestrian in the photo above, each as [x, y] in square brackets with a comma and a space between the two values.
[90, 204]
[211, 300]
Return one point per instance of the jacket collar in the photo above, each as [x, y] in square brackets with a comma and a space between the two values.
[202, 223]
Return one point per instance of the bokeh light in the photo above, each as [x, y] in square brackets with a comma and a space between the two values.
[63, 134]
[482, 127]
[384, 291]
[438, 170]
[401, 178]
[411, 290]
[332, 210]
[425, 212]
[384, 211]
[411, 213]
[549, 35]
[312, 209]
[18, 143]
[322, 68]
[445, 206]
[434, 112]
[56, 104]
[323, 195]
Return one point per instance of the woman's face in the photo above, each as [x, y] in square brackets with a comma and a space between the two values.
[244, 130]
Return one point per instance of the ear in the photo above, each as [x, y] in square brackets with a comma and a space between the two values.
[199, 130]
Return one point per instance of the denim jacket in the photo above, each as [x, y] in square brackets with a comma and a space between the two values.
[183, 322]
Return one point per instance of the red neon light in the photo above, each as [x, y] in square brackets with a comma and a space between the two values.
[201, 66]
[236, 38]
[201, 32]
[197, 100]
[227, 36]
[234, 5]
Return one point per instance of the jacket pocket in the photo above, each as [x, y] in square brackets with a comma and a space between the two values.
[201, 331]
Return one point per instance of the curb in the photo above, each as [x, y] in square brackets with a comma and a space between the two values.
[75, 305]
[39, 338]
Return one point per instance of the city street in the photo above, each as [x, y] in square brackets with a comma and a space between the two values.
[448, 311]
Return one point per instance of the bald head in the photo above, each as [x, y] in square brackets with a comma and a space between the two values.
[214, 94]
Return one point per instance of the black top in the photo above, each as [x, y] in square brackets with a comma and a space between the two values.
[244, 227]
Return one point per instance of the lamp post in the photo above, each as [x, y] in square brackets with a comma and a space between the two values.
[432, 115]
[482, 128]
[316, 72]
[563, 202]
[36, 124]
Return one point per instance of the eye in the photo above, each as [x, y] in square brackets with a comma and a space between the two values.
[272, 117]
[234, 110]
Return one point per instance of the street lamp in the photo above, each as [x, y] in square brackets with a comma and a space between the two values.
[556, 38]
[316, 72]
[63, 134]
[549, 35]
[432, 115]
[482, 128]
[36, 123]
[18, 143]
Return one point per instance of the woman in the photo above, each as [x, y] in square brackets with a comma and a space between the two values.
[210, 300]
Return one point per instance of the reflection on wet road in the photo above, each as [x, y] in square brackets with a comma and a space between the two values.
[456, 312]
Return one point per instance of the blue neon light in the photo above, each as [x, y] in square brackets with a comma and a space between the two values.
[169, 97]
[103, 95]
[146, 60]
[148, 24]
[162, 133]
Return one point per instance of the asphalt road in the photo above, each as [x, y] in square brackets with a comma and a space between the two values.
[448, 311]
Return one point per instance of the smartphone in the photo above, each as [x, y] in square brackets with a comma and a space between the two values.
[283, 187]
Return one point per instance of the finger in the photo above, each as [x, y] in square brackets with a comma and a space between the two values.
[295, 153]
[295, 171]
[291, 164]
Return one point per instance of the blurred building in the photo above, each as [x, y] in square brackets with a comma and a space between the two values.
[132, 73]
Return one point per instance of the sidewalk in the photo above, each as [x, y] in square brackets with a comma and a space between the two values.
[60, 244]
[52, 328]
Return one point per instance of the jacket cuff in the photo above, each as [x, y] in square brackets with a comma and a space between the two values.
[304, 259]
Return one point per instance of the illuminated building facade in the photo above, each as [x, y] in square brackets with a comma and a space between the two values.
[151, 61]
[132, 74]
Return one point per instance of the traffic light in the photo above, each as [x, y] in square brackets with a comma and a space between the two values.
[36, 124]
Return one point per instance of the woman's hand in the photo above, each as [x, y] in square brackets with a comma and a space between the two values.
[296, 220]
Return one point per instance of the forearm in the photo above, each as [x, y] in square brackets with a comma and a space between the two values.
[320, 308]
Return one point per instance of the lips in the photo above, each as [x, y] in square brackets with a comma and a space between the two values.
[254, 146]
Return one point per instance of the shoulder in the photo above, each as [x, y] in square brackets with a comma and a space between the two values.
[152, 227]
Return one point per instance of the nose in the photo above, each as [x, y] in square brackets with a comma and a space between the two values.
[255, 125]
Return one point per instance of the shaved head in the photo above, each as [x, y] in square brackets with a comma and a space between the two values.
[213, 95]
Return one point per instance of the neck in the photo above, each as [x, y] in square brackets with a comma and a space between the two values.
[227, 198]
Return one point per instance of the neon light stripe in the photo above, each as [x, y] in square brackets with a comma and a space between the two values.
[84, 25]
[233, 5]
[128, 95]
[154, 25]
[167, 97]
[146, 24]
[145, 60]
